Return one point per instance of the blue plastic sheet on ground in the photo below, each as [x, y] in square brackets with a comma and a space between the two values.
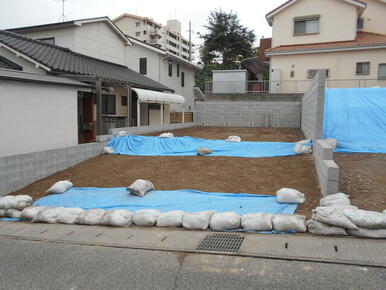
[357, 119]
[186, 146]
[186, 200]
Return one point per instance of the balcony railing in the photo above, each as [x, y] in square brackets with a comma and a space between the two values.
[291, 86]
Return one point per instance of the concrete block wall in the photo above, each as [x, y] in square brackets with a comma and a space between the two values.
[326, 168]
[151, 129]
[313, 108]
[248, 114]
[17, 171]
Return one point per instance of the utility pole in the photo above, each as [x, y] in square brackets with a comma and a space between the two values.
[190, 40]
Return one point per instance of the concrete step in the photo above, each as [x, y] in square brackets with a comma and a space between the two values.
[299, 247]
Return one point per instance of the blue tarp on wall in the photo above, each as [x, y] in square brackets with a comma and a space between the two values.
[186, 146]
[186, 200]
[356, 118]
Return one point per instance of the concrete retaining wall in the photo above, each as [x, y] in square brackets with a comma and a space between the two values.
[248, 114]
[17, 171]
[313, 108]
[151, 129]
[326, 168]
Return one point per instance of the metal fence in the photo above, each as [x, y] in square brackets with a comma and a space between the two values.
[110, 122]
[291, 86]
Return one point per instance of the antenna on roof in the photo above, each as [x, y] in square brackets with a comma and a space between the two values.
[63, 17]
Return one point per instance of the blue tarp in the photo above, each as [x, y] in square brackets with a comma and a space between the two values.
[186, 200]
[186, 146]
[357, 119]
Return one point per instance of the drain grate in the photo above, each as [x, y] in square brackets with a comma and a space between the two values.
[221, 243]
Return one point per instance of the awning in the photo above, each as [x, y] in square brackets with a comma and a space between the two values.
[148, 96]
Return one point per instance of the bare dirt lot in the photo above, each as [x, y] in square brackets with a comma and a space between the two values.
[363, 177]
[212, 174]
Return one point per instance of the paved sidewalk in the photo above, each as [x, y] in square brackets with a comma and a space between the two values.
[298, 247]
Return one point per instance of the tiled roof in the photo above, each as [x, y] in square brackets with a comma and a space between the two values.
[363, 39]
[63, 60]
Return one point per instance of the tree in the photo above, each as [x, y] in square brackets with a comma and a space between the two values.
[227, 41]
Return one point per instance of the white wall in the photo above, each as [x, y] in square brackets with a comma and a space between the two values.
[229, 81]
[337, 22]
[25, 64]
[64, 37]
[375, 17]
[36, 117]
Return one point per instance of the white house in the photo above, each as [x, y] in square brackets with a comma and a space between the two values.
[347, 38]
[37, 112]
[102, 39]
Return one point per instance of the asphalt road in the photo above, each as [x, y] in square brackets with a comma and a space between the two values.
[44, 265]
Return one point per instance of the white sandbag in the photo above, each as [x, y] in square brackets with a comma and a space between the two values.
[197, 220]
[15, 202]
[123, 133]
[70, 215]
[60, 187]
[166, 135]
[145, 217]
[91, 216]
[333, 216]
[369, 233]
[203, 151]
[3, 212]
[289, 222]
[223, 221]
[289, 195]
[259, 221]
[140, 187]
[49, 215]
[30, 212]
[332, 142]
[170, 219]
[233, 139]
[117, 218]
[319, 228]
[335, 199]
[366, 219]
[13, 213]
[384, 211]
[303, 147]
[108, 150]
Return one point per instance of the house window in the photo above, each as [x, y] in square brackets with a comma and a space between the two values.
[311, 73]
[108, 104]
[123, 100]
[363, 68]
[382, 71]
[144, 32]
[178, 70]
[360, 23]
[137, 23]
[138, 33]
[292, 73]
[306, 25]
[182, 79]
[50, 40]
[170, 68]
[143, 65]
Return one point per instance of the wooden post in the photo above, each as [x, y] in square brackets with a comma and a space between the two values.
[138, 113]
[98, 85]
[183, 114]
[129, 108]
[162, 114]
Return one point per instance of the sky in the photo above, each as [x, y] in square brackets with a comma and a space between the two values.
[18, 13]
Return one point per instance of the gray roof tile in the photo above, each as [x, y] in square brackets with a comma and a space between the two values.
[63, 60]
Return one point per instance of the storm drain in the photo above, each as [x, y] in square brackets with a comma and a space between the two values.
[221, 243]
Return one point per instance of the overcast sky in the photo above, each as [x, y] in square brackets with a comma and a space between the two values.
[17, 13]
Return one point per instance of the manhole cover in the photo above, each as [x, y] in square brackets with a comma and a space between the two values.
[221, 243]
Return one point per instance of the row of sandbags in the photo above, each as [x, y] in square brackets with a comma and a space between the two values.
[150, 217]
[336, 216]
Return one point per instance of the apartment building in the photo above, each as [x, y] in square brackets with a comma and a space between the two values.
[167, 37]
[345, 37]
